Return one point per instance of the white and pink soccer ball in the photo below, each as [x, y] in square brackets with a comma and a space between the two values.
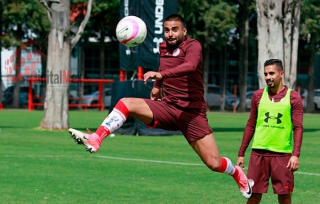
[131, 31]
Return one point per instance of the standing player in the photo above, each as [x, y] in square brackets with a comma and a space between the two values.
[182, 108]
[275, 112]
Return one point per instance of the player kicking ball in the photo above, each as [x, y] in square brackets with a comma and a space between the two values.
[182, 107]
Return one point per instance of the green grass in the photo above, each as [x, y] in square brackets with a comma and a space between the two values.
[48, 167]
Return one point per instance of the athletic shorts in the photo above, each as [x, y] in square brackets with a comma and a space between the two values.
[193, 123]
[263, 167]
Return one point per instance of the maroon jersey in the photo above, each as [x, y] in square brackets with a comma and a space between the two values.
[181, 71]
[296, 116]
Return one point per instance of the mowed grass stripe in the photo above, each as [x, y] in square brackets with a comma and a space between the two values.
[139, 160]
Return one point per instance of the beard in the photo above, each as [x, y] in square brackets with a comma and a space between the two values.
[173, 45]
[270, 83]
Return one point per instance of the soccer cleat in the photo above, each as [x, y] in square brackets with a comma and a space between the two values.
[90, 141]
[245, 184]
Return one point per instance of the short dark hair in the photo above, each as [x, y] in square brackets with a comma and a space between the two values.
[176, 17]
[274, 61]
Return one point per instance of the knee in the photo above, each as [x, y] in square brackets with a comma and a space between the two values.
[126, 101]
[285, 198]
[255, 198]
[213, 164]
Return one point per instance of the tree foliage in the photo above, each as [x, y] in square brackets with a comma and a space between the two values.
[21, 20]
[310, 21]
[106, 12]
[210, 22]
[246, 9]
[220, 20]
[101, 26]
[28, 13]
[310, 29]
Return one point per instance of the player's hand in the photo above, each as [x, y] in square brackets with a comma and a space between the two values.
[156, 94]
[293, 164]
[240, 162]
[151, 75]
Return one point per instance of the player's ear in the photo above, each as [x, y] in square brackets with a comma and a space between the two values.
[184, 31]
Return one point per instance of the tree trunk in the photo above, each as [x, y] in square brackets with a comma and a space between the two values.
[263, 39]
[224, 68]
[81, 84]
[243, 54]
[102, 54]
[205, 70]
[58, 69]
[43, 52]
[17, 78]
[17, 67]
[278, 32]
[291, 40]
[310, 97]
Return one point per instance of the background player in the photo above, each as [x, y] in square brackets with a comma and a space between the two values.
[275, 112]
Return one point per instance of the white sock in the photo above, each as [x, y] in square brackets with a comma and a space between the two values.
[114, 120]
[230, 167]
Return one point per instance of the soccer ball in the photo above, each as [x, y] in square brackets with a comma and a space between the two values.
[131, 31]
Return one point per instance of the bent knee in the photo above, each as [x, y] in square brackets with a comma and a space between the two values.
[255, 198]
[130, 102]
[125, 100]
[213, 164]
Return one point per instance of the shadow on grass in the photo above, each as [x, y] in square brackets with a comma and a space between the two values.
[84, 129]
[305, 130]
[13, 127]
[93, 129]
[228, 129]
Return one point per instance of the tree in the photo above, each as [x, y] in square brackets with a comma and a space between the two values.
[278, 36]
[210, 22]
[104, 22]
[60, 43]
[101, 24]
[21, 21]
[15, 30]
[245, 8]
[310, 28]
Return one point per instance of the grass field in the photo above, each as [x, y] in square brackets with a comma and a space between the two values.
[48, 167]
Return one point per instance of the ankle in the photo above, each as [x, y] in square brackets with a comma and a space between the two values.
[102, 132]
[236, 174]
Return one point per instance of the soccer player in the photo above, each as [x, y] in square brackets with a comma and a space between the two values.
[182, 107]
[275, 122]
